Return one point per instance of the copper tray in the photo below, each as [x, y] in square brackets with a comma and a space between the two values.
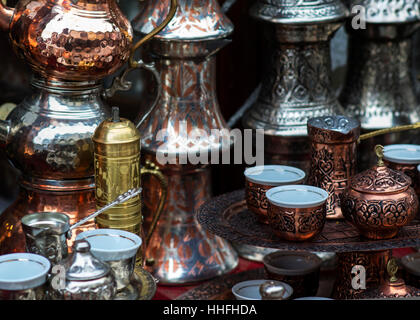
[221, 287]
[228, 217]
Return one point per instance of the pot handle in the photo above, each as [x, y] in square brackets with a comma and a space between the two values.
[152, 169]
[121, 84]
[6, 14]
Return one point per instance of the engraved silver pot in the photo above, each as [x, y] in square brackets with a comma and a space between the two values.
[379, 90]
[297, 74]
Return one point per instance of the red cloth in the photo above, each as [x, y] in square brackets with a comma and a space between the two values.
[172, 292]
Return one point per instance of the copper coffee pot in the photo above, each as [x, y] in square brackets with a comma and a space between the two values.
[71, 46]
[334, 149]
[180, 250]
[393, 287]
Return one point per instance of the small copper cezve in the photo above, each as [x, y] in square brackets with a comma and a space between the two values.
[333, 157]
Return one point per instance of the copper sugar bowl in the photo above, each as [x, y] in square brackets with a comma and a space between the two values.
[379, 201]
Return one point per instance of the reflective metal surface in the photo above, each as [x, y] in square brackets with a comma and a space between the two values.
[375, 265]
[87, 278]
[184, 53]
[70, 40]
[48, 138]
[297, 75]
[46, 235]
[379, 201]
[194, 20]
[333, 157]
[117, 169]
[379, 89]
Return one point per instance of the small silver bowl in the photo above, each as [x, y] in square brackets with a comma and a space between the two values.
[250, 290]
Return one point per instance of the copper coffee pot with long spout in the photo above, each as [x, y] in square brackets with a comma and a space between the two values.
[70, 45]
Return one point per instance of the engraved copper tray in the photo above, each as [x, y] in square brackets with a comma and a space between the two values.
[228, 217]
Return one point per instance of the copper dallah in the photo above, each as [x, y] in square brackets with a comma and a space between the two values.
[70, 46]
[379, 201]
[184, 53]
[117, 170]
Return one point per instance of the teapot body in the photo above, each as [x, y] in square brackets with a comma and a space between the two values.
[71, 40]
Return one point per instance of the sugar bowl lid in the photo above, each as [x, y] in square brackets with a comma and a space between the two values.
[83, 265]
[380, 179]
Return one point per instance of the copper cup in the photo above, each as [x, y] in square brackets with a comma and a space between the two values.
[297, 212]
[298, 269]
[259, 179]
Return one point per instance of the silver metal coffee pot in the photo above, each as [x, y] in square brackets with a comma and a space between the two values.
[297, 74]
[379, 90]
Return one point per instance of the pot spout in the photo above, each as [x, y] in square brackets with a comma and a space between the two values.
[6, 14]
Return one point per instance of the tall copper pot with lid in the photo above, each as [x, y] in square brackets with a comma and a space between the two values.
[70, 46]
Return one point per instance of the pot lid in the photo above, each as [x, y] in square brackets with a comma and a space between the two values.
[299, 11]
[380, 179]
[83, 265]
[116, 130]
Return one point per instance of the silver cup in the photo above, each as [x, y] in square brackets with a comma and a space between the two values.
[46, 234]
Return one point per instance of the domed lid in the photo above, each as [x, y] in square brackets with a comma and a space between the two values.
[380, 179]
[116, 130]
[299, 11]
[83, 265]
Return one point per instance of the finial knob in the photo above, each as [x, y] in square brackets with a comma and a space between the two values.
[379, 150]
[115, 114]
[392, 269]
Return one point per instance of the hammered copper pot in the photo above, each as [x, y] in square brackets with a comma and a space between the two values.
[379, 201]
